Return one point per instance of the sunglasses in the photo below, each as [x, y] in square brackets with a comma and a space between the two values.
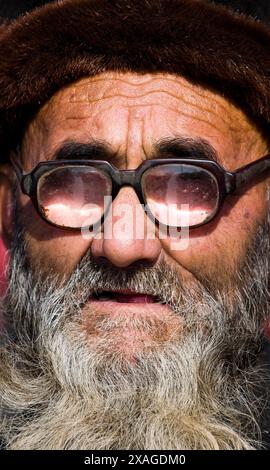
[73, 194]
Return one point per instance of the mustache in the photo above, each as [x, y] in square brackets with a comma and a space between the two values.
[161, 281]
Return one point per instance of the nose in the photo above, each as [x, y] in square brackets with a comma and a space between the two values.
[128, 234]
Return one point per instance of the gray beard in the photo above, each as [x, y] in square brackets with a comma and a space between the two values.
[206, 389]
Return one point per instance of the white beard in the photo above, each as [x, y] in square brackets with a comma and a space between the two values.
[204, 390]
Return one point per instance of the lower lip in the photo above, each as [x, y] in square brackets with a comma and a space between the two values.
[134, 303]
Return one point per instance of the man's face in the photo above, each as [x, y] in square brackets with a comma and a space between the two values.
[130, 114]
[180, 323]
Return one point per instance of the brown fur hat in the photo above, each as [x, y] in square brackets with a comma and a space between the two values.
[64, 41]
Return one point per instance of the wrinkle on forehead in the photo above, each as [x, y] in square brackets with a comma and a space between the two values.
[137, 89]
[143, 102]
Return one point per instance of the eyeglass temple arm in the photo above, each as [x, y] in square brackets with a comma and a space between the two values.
[248, 172]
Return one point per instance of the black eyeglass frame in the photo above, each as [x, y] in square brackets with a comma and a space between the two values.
[227, 181]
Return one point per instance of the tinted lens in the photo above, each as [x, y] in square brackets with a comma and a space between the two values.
[180, 194]
[73, 196]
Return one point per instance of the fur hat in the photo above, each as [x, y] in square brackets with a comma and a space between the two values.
[61, 42]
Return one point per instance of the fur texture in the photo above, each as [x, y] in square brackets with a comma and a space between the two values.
[258, 9]
[65, 41]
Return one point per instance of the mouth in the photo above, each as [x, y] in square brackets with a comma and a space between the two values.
[124, 296]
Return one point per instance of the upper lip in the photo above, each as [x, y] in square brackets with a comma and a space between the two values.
[119, 291]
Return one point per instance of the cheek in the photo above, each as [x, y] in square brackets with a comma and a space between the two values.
[217, 250]
[59, 254]
[50, 248]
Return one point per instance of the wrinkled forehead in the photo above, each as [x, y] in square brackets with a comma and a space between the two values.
[130, 110]
[141, 90]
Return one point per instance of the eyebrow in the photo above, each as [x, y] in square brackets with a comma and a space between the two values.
[185, 147]
[172, 147]
[96, 149]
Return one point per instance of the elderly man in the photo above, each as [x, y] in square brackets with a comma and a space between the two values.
[150, 334]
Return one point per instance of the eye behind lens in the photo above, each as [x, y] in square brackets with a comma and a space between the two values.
[73, 196]
[180, 195]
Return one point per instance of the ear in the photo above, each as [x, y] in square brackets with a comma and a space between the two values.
[6, 195]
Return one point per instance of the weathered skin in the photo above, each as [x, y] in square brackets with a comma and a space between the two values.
[130, 113]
